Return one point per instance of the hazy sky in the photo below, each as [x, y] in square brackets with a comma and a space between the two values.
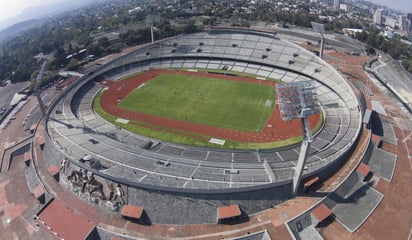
[11, 8]
[404, 5]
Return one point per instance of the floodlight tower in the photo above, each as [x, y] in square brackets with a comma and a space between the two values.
[151, 33]
[36, 87]
[297, 100]
[319, 28]
[150, 20]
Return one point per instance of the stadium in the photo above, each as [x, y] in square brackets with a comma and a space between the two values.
[177, 165]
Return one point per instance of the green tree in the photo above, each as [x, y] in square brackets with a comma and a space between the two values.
[73, 64]
[190, 27]
[104, 42]
[95, 49]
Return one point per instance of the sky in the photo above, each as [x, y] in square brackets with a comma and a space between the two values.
[404, 5]
[11, 8]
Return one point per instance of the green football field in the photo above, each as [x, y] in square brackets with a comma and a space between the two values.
[220, 103]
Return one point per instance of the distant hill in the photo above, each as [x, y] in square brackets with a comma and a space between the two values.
[34, 16]
[14, 30]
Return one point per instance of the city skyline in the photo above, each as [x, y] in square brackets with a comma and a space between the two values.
[11, 9]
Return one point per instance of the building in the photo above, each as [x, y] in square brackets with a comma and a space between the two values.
[377, 17]
[391, 22]
[409, 23]
[336, 4]
[402, 21]
[344, 7]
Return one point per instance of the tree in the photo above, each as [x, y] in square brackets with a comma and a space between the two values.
[59, 58]
[94, 49]
[73, 64]
[190, 27]
[362, 36]
[104, 42]
[370, 50]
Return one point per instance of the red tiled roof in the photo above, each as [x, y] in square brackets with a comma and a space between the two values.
[311, 181]
[64, 221]
[41, 140]
[364, 169]
[38, 191]
[228, 212]
[376, 138]
[117, 238]
[53, 170]
[321, 212]
[27, 156]
[132, 211]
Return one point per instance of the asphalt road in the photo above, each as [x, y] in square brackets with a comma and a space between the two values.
[402, 85]
[7, 93]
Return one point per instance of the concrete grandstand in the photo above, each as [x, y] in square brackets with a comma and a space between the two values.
[169, 177]
[84, 178]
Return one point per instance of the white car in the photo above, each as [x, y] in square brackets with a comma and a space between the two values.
[87, 157]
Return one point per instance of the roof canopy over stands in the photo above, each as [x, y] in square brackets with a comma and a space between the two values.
[376, 138]
[130, 211]
[33, 127]
[53, 170]
[41, 141]
[228, 212]
[38, 192]
[320, 213]
[364, 170]
[27, 157]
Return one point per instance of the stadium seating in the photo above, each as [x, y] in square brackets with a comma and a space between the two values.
[79, 130]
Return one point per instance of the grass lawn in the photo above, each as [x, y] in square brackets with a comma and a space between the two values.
[177, 138]
[221, 103]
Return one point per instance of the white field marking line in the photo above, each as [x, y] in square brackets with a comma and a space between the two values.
[409, 155]
[27, 222]
[406, 138]
[262, 118]
[410, 234]
[261, 115]
[407, 149]
[406, 146]
[242, 101]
